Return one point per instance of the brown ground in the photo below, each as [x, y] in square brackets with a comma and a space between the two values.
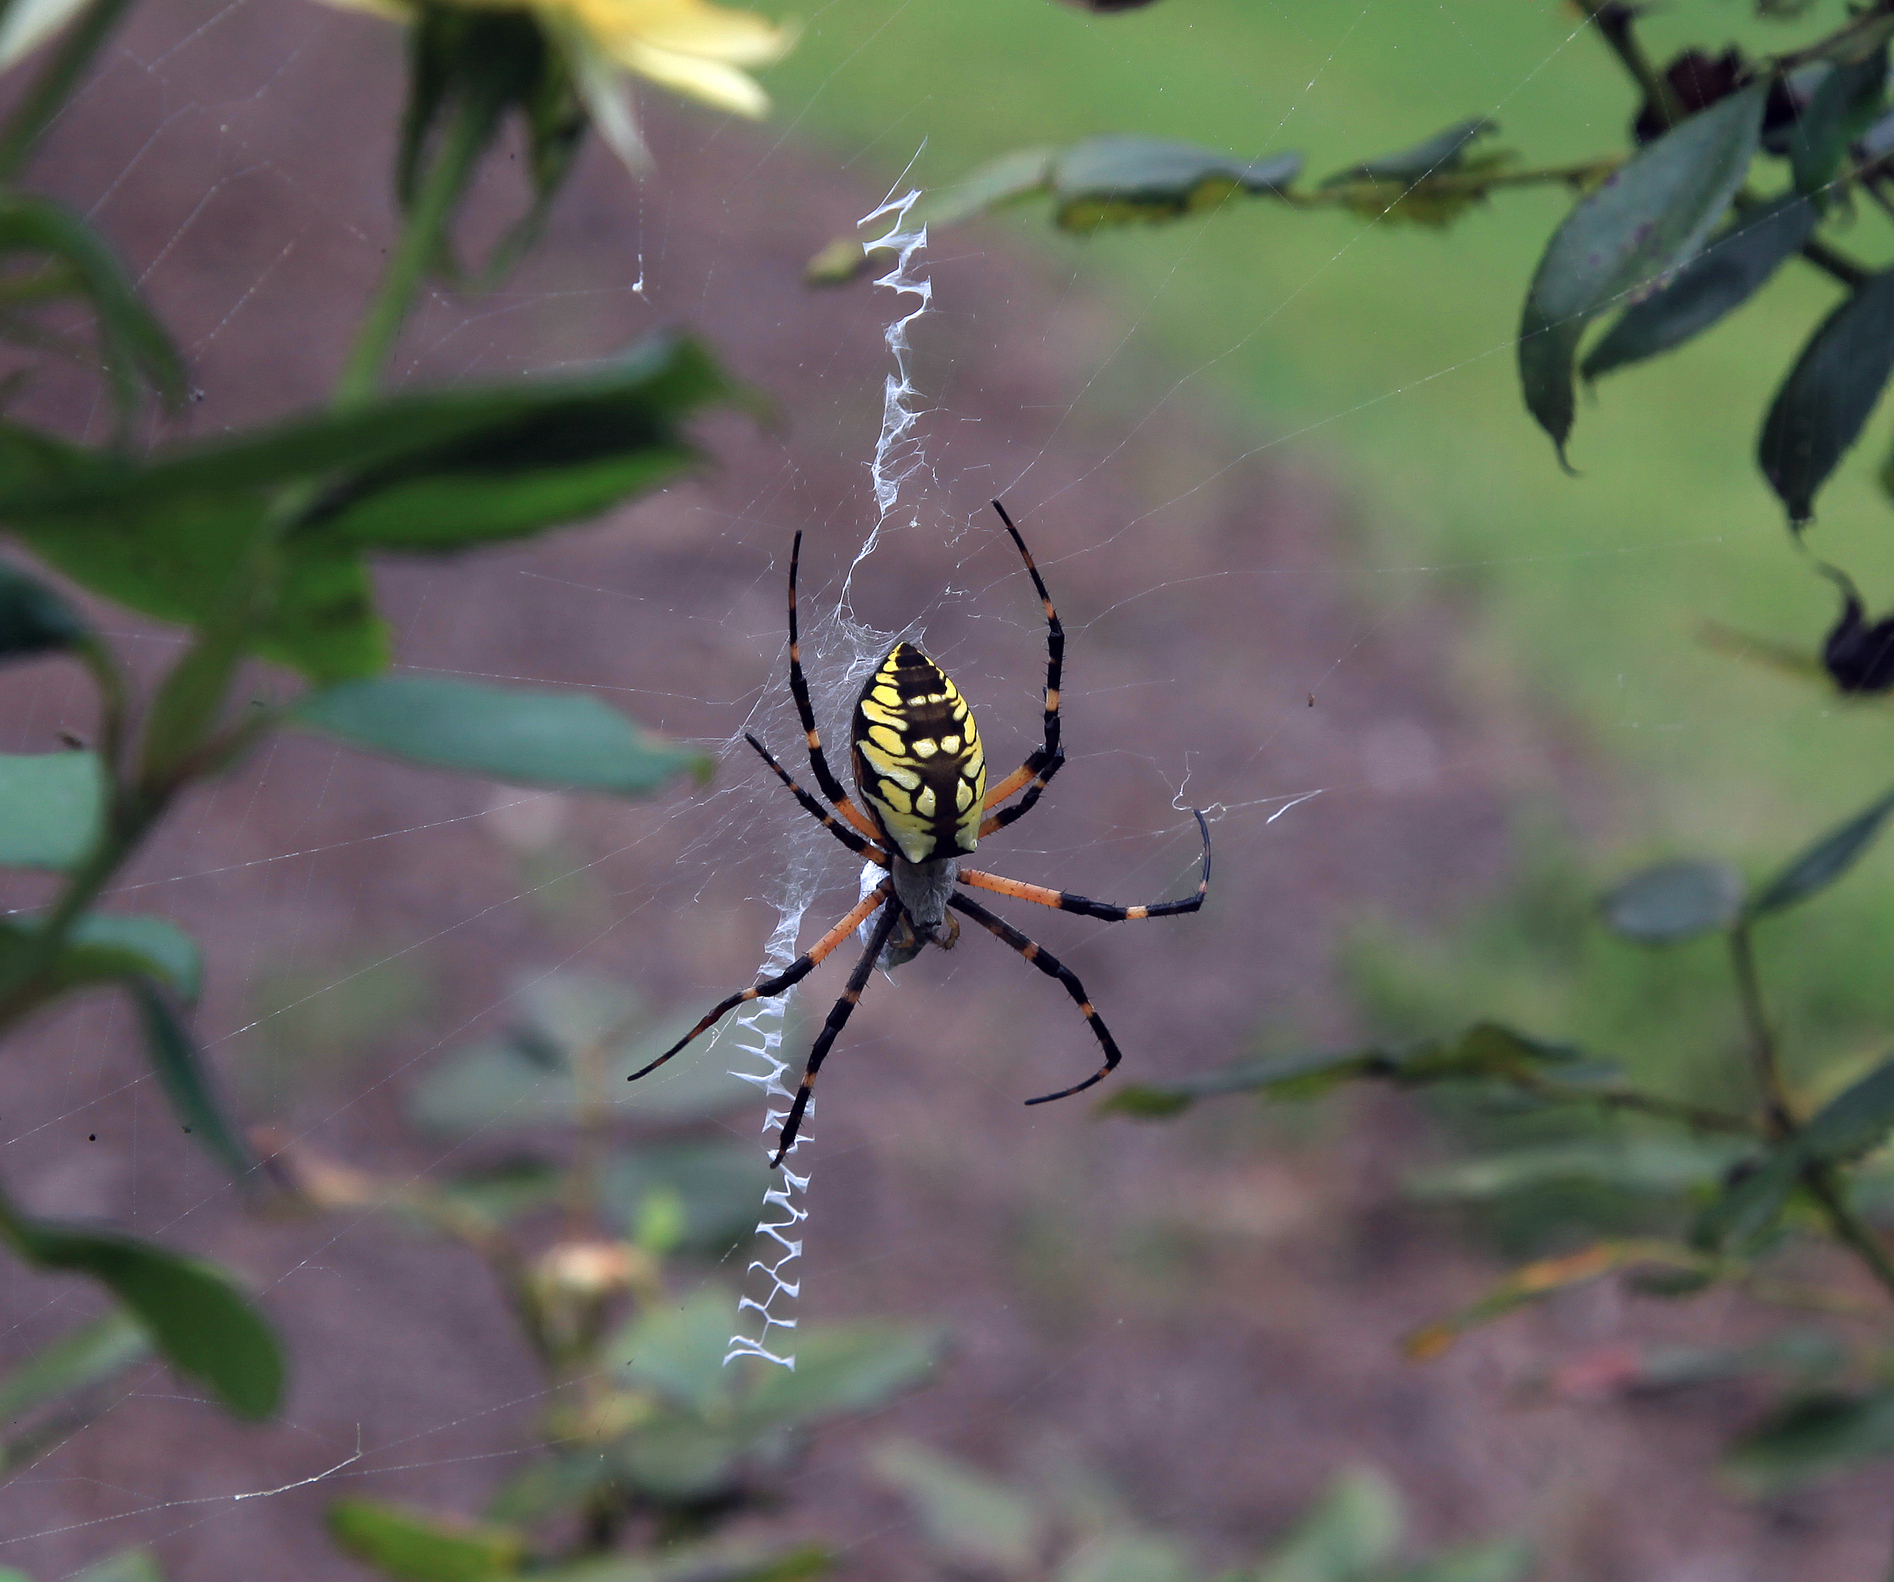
[1208, 1309]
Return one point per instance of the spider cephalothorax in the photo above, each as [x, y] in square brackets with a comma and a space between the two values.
[920, 768]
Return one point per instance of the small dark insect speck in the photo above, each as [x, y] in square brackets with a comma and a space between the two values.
[1311, 700]
[92, 1137]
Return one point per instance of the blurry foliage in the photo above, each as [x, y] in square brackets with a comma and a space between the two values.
[1073, 1527]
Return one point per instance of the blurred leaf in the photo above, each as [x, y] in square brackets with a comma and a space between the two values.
[1646, 219]
[52, 807]
[718, 1188]
[134, 348]
[843, 1368]
[547, 1488]
[417, 1547]
[1825, 861]
[712, 1562]
[1733, 267]
[566, 740]
[128, 1565]
[506, 1191]
[965, 1516]
[1856, 1121]
[1498, 1560]
[1744, 1213]
[175, 1057]
[1814, 1437]
[1443, 151]
[525, 1076]
[1351, 1529]
[33, 618]
[1485, 1050]
[1820, 407]
[1845, 101]
[1126, 1557]
[27, 24]
[1673, 901]
[678, 1350]
[108, 945]
[193, 1311]
[1118, 178]
[1542, 1278]
[1657, 1165]
[684, 1460]
[80, 1358]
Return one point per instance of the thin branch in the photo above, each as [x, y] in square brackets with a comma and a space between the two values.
[1778, 1112]
[1849, 1228]
[1696, 1116]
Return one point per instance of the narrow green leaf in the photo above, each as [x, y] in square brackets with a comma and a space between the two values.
[1814, 1436]
[77, 1360]
[719, 1561]
[1674, 901]
[52, 808]
[1442, 152]
[1855, 1122]
[34, 619]
[175, 1058]
[1845, 101]
[969, 1518]
[1745, 1213]
[193, 1311]
[1118, 178]
[1731, 269]
[568, 740]
[1645, 220]
[133, 346]
[1659, 1166]
[415, 1546]
[1825, 861]
[1822, 405]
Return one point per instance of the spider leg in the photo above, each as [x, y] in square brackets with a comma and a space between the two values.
[1045, 761]
[838, 1017]
[1104, 911]
[799, 688]
[816, 811]
[1052, 967]
[793, 974]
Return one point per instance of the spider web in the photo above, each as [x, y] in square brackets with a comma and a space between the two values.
[1239, 639]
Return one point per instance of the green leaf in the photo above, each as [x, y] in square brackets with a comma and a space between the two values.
[1442, 152]
[1855, 1122]
[1845, 101]
[134, 347]
[415, 1546]
[1497, 1560]
[175, 1058]
[193, 1311]
[678, 1350]
[549, 1488]
[128, 1565]
[109, 945]
[968, 1518]
[843, 1368]
[712, 1562]
[34, 619]
[1646, 219]
[1814, 1437]
[1117, 179]
[568, 740]
[1485, 1050]
[52, 808]
[1673, 901]
[1825, 861]
[1746, 1211]
[524, 1076]
[1822, 405]
[1127, 1557]
[1660, 1166]
[77, 1360]
[1352, 1528]
[719, 1186]
[1732, 268]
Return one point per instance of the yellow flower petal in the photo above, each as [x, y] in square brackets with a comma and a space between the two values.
[708, 80]
[685, 27]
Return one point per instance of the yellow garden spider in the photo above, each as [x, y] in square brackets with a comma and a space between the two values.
[920, 768]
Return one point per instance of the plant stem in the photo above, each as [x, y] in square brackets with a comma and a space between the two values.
[1613, 20]
[420, 244]
[1849, 1228]
[1831, 261]
[50, 90]
[1778, 1113]
[1695, 1116]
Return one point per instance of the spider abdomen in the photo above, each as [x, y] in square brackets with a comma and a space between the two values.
[917, 757]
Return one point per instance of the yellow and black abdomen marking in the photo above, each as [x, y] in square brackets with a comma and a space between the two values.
[918, 759]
